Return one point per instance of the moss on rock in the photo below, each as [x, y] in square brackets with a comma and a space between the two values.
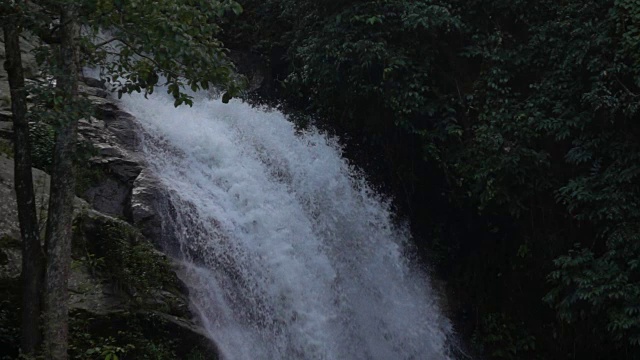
[116, 252]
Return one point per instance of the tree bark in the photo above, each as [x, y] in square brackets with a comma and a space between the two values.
[60, 214]
[32, 257]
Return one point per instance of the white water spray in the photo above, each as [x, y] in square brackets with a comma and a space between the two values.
[289, 254]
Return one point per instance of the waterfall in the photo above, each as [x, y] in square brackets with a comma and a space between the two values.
[287, 252]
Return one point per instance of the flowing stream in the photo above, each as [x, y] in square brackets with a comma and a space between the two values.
[288, 253]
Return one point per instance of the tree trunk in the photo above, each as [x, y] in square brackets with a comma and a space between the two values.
[32, 257]
[60, 214]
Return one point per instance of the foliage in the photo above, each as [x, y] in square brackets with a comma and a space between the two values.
[127, 336]
[372, 52]
[42, 137]
[500, 338]
[87, 173]
[118, 251]
[174, 44]
[604, 288]
[107, 350]
[554, 138]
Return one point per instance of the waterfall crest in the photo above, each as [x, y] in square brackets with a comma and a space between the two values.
[288, 253]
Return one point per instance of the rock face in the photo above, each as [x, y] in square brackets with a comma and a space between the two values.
[127, 189]
[9, 228]
[146, 198]
[117, 169]
[124, 188]
[90, 289]
[28, 62]
[114, 138]
[116, 187]
[8, 211]
[85, 291]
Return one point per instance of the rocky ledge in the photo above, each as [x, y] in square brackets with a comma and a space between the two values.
[124, 293]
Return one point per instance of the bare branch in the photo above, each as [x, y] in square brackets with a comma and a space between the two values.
[101, 44]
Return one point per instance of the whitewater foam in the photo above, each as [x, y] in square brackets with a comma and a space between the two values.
[288, 253]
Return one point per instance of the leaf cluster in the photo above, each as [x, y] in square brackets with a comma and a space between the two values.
[141, 45]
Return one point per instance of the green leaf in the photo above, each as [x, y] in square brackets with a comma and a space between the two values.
[236, 7]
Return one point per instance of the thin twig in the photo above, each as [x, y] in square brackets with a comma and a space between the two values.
[106, 42]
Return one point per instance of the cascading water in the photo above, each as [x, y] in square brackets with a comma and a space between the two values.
[288, 253]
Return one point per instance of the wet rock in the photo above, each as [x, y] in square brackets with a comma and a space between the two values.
[27, 44]
[6, 130]
[9, 227]
[89, 289]
[94, 83]
[92, 91]
[146, 200]
[114, 137]
[6, 116]
[87, 292]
